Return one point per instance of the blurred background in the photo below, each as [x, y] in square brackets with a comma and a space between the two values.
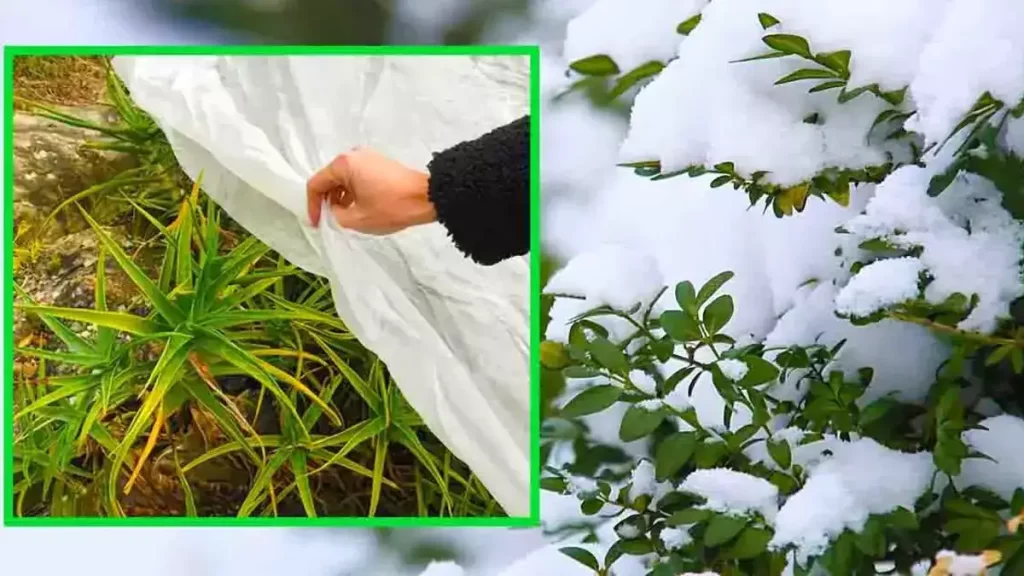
[286, 21]
[257, 552]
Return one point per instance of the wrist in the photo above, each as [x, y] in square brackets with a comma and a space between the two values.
[426, 211]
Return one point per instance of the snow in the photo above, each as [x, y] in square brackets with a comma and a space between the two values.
[705, 399]
[643, 382]
[861, 478]
[582, 486]
[973, 49]
[812, 320]
[953, 564]
[733, 369]
[1001, 440]
[609, 275]
[732, 492]
[880, 285]
[570, 169]
[629, 36]
[758, 451]
[652, 405]
[642, 480]
[970, 244]
[443, 569]
[736, 113]
[675, 538]
[628, 531]
[677, 399]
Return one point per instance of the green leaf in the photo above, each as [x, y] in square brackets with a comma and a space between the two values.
[903, 519]
[960, 507]
[721, 181]
[718, 313]
[1017, 501]
[149, 289]
[74, 342]
[871, 540]
[608, 355]
[591, 506]
[353, 437]
[712, 286]
[636, 547]
[998, 354]
[634, 76]
[165, 374]
[219, 272]
[767, 20]
[688, 516]
[84, 360]
[553, 484]
[639, 423]
[848, 95]
[216, 343]
[722, 529]
[805, 74]
[258, 490]
[709, 454]
[838, 61]
[614, 553]
[827, 86]
[686, 296]
[680, 326]
[839, 558]
[752, 542]
[789, 44]
[117, 320]
[597, 65]
[407, 437]
[759, 371]
[64, 387]
[582, 556]
[300, 387]
[183, 249]
[298, 465]
[673, 453]
[768, 56]
[894, 97]
[1017, 360]
[687, 26]
[226, 420]
[365, 391]
[580, 372]
[781, 453]
[592, 400]
[876, 411]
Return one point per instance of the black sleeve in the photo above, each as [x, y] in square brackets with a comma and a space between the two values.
[481, 191]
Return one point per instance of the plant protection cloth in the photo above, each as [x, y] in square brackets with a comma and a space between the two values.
[454, 334]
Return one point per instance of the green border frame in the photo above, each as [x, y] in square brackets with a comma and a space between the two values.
[533, 52]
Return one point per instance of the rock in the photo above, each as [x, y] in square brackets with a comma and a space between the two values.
[51, 164]
[64, 274]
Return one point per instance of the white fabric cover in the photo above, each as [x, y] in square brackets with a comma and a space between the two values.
[455, 335]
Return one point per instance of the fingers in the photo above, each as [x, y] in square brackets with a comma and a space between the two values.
[329, 183]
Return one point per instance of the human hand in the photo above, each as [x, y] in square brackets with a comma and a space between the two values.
[370, 193]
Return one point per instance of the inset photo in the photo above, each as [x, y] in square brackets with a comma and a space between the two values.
[266, 285]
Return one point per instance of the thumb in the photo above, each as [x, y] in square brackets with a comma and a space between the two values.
[348, 215]
[330, 183]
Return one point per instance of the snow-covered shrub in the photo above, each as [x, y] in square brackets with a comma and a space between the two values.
[849, 401]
